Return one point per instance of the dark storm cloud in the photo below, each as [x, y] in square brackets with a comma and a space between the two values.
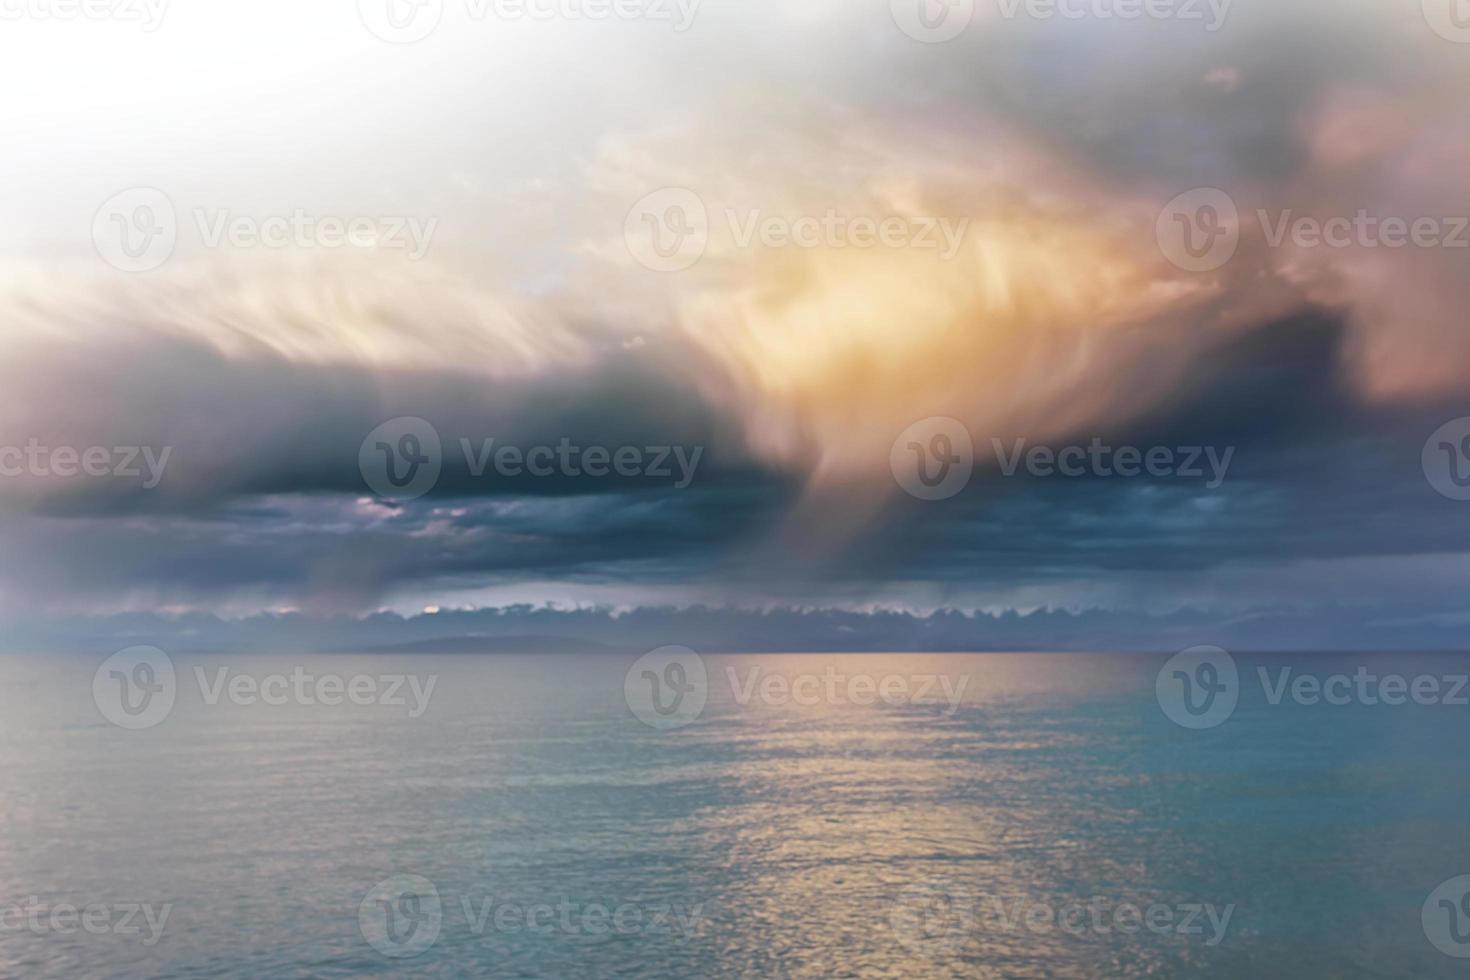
[334, 552]
[242, 427]
[273, 505]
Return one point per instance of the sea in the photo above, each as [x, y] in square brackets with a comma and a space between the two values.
[685, 815]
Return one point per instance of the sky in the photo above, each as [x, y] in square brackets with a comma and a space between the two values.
[863, 309]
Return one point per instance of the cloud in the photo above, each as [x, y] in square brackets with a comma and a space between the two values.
[1048, 147]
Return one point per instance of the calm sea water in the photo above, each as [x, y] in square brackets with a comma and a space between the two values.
[528, 824]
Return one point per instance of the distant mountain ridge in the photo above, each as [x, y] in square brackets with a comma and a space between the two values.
[549, 630]
[488, 644]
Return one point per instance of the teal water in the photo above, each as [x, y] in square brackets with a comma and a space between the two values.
[563, 837]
